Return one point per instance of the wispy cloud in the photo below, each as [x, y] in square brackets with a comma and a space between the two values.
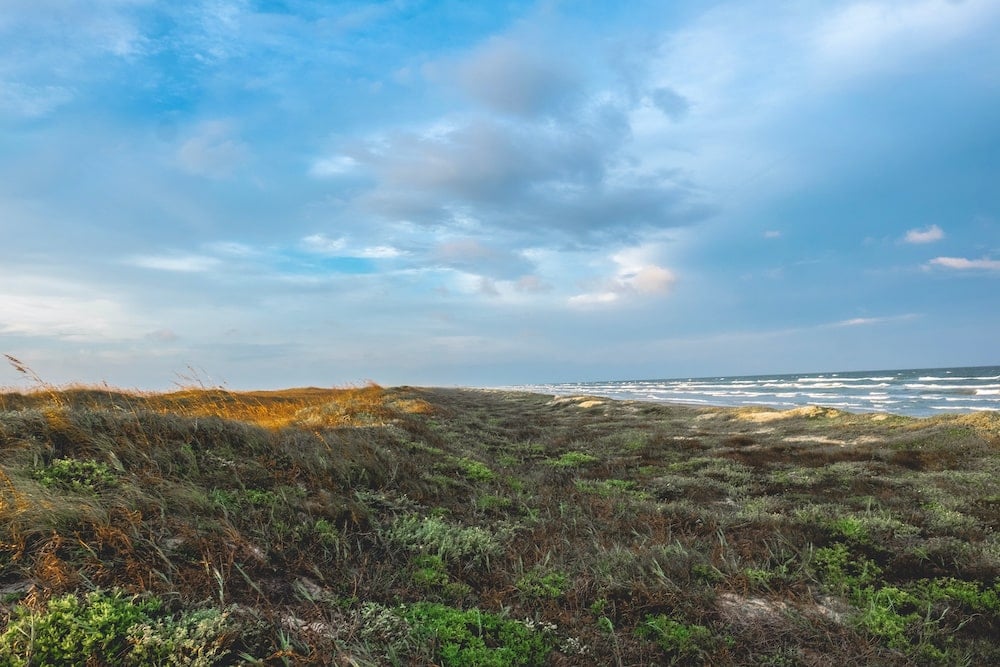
[31, 101]
[928, 234]
[340, 247]
[176, 263]
[868, 321]
[867, 36]
[964, 264]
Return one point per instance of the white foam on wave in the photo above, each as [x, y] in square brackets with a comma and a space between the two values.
[905, 391]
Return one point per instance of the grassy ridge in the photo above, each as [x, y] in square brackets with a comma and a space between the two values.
[461, 527]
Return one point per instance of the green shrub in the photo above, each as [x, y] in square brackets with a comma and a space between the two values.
[431, 574]
[492, 501]
[326, 533]
[198, 639]
[679, 641]
[537, 585]
[74, 631]
[967, 593]
[111, 628]
[842, 572]
[434, 535]
[248, 498]
[476, 471]
[571, 460]
[612, 488]
[473, 638]
[86, 476]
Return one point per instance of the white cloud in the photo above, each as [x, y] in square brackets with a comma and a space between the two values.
[963, 264]
[926, 235]
[772, 234]
[30, 101]
[324, 244]
[379, 252]
[594, 298]
[335, 165]
[51, 308]
[865, 36]
[862, 321]
[58, 316]
[176, 263]
[650, 280]
[339, 247]
[636, 276]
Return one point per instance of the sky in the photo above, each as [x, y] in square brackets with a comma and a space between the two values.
[266, 194]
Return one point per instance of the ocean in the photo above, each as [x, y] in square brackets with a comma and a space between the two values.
[914, 392]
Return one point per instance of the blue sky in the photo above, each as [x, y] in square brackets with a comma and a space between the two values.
[272, 194]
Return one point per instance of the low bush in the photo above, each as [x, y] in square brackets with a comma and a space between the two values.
[112, 628]
[474, 638]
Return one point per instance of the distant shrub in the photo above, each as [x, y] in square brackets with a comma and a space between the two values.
[571, 460]
[612, 488]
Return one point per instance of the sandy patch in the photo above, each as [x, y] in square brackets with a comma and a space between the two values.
[738, 608]
[821, 440]
[579, 401]
[834, 609]
[774, 415]
[816, 439]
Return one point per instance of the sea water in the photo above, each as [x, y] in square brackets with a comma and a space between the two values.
[914, 392]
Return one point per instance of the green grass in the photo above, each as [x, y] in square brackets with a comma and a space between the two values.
[456, 527]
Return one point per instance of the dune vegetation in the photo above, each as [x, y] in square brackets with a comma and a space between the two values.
[410, 526]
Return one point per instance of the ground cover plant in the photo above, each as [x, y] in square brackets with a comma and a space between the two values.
[371, 526]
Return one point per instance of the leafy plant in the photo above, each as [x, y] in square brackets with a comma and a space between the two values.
[200, 638]
[474, 638]
[612, 488]
[431, 574]
[678, 640]
[476, 471]
[534, 584]
[434, 535]
[571, 460]
[71, 630]
[86, 476]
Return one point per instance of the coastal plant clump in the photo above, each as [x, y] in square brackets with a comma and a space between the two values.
[370, 526]
[113, 628]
